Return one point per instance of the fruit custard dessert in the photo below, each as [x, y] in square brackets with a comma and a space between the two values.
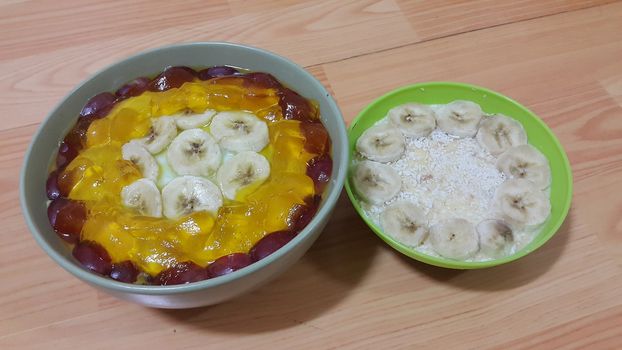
[189, 175]
[450, 181]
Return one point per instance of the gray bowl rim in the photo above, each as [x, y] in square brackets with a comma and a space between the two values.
[89, 277]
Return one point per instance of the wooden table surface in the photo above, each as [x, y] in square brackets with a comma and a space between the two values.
[562, 59]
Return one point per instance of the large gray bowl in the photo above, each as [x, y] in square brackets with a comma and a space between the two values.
[44, 146]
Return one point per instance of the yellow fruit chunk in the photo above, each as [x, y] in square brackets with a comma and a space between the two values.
[299, 186]
[278, 212]
[287, 146]
[191, 234]
[142, 105]
[102, 173]
[98, 133]
[170, 101]
[197, 99]
[127, 125]
[103, 229]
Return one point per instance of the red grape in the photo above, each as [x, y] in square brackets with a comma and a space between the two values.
[73, 141]
[93, 257]
[66, 180]
[124, 271]
[133, 88]
[262, 80]
[99, 105]
[51, 185]
[295, 106]
[316, 137]
[181, 273]
[319, 169]
[67, 218]
[228, 263]
[189, 70]
[302, 214]
[270, 244]
[216, 71]
[67, 150]
[172, 77]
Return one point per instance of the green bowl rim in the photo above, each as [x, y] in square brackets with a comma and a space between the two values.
[447, 263]
[91, 278]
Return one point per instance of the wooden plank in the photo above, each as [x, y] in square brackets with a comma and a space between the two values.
[40, 53]
[435, 19]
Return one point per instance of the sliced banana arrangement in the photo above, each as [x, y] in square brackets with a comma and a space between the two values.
[144, 196]
[163, 130]
[526, 162]
[498, 133]
[188, 194]
[212, 155]
[459, 118]
[452, 181]
[406, 222]
[381, 143]
[413, 119]
[194, 152]
[187, 120]
[135, 152]
[521, 204]
[454, 239]
[376, 182]
[242, 170]
[240, 131]
[495, 237]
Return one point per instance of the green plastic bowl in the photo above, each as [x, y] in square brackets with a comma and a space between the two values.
[540, 136]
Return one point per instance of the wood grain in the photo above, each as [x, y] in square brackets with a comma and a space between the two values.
[559, 58]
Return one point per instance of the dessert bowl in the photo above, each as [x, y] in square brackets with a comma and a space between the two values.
[45, 144]
[539, 135]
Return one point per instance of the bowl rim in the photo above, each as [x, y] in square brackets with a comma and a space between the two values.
[444, 262]
[328, 202]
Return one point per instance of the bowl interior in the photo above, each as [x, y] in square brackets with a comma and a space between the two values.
[540, 136]
[44, 146]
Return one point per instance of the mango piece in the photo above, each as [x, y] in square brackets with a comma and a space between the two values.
[103, 173]
[127, 125]
[103, 229]
[98, 133]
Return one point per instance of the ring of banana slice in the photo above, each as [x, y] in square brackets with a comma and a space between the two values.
[519, 205]
[201, 178]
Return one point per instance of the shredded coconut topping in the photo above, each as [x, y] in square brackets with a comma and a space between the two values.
[448, 177]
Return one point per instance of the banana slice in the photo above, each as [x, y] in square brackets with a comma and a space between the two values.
[144, 196]
[526, 162]
[460, 118]
[405, 222]
[454, 239]
[187, 194]
[375, 182]
[163, 131]
[241, 170]
[520, 203]
[381, 143]
[498, 133]
[240, 131]
[413, 119]
[187, 120]
[494, 237]
[137, 154]
[194, 152]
